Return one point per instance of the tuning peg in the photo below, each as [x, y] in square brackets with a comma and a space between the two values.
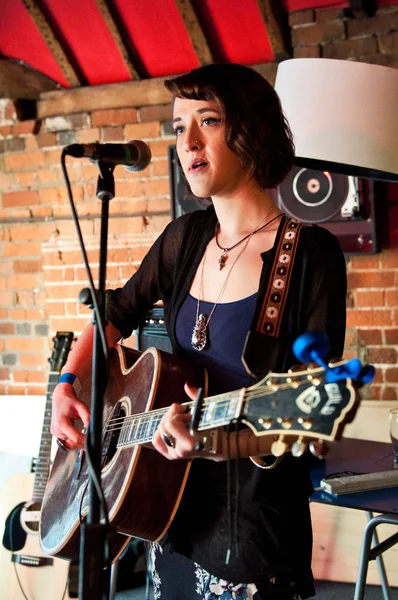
[299, 447]
[279, 447]
[318, 448]
[311, 346]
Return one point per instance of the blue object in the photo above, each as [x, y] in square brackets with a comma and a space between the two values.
[313, 346]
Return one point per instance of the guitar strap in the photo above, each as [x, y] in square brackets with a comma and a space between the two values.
[271, 314]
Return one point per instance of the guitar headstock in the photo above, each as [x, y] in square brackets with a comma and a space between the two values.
[300, 405]
[62, 343]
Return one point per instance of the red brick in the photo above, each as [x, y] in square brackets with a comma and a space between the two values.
[351, 337]
[327, 14]
[389, 393]
[4, 374]
[300, 17]
[382, 355]
[5, 130]
[42, 211]
[15, 145]
[369, 318]
[370, 279]
[391, 375]
[7, 328]
[59, 194]
[25, 281]
[142, 130]
[25, 161]
[126, 225]
[391, 336]
[24, 127]
[360, 263]
[318, 33]
[88, 136]
[25, 178]
[389, 42]
[370, 337]
[49, 175]
[114, 117]
[46, 139]
[27, 344]
[368, 26]
[32, 231]
[29, 376]
[27, 266]
[35, 389]
[161, 113]
[373, 392]
[128, 189]
[112, 134]
[156, 187]
[307, 52]
[365, 299]
[160, 148]
[391, 298]
[10, 111]
[20, 198]
[22, 249]
[350, 49]
[158, 223]
[26, 314]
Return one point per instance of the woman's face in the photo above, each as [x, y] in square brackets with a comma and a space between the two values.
[211, 168]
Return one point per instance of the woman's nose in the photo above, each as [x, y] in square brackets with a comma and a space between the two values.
[193, 141]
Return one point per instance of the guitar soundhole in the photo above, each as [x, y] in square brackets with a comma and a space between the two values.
[32, 522]
[112, 433]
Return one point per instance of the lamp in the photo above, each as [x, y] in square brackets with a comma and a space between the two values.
[343, 115]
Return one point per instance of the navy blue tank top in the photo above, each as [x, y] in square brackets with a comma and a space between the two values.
[226, 335]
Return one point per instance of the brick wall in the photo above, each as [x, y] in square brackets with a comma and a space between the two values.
[41, 269]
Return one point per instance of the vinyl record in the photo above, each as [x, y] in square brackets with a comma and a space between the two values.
[313, 196]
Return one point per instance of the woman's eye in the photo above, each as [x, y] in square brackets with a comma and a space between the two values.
[210, 121]
[178, 130]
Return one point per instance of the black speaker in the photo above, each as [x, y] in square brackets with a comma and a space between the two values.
[152, 331]
[340, 203]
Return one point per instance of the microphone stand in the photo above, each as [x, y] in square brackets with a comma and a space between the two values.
[94, 578]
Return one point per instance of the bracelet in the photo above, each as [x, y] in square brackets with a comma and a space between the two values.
[72, 379]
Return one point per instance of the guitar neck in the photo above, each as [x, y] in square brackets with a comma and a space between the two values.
[44, 457]
[217, 411]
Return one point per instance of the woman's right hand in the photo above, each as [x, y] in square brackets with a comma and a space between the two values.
[66, 409]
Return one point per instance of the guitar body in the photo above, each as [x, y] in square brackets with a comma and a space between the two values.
[142, 488]
[46, 582]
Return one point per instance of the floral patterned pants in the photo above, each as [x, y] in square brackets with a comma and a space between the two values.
[175, 577]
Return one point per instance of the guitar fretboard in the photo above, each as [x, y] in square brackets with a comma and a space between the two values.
[217, 411]
[43, 460]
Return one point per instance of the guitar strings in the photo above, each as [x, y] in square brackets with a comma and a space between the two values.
[119, 422]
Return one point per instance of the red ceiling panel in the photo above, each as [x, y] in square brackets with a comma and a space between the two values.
[20, 38]
[89, 40]
[235, 30]
[158, 34]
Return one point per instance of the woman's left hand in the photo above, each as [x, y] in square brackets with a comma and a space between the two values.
[172, 438]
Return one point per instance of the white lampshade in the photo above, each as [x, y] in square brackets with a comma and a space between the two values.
[343, 115]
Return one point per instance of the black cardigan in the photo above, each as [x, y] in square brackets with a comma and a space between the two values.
[274, 529]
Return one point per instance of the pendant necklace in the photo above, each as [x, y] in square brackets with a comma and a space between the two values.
[223, 258]
[199, 334]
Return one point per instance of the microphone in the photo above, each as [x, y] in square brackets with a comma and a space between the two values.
[135, 155]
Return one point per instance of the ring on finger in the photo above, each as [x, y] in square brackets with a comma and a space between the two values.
[168, 440]
[62, 444]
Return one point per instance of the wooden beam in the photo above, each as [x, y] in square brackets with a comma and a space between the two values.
[147, 92]
[21, 81]
[113, 28]
[195, 31]
[51, 41]
[275, 20]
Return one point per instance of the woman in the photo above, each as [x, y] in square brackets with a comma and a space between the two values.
[247, 533]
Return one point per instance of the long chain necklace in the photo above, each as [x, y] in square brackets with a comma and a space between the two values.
[199, 334]
[223, 258]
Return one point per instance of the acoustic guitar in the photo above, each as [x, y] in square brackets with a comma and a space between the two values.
[142, 488]
[26, 572]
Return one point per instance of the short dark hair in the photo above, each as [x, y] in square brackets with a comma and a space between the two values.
[256, 129]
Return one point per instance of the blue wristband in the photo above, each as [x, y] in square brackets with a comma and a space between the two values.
[72, 379]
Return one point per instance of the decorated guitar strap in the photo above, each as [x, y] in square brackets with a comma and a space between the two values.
[271, 314]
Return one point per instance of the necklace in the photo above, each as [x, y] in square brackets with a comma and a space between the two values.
[223, 258]
[199, 334]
